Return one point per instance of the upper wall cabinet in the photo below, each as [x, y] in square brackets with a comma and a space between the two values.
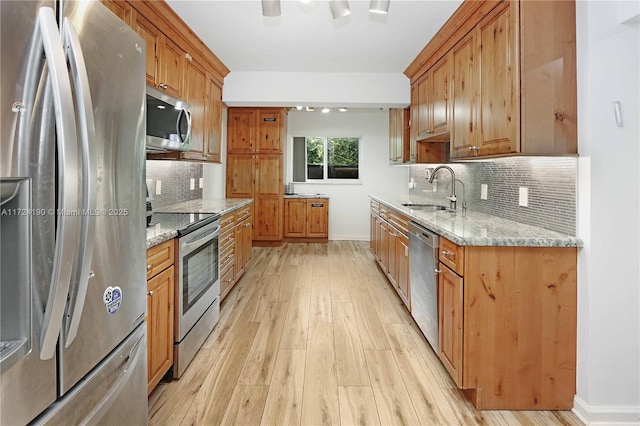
[498, 79]
[256, 130]
[180, 64]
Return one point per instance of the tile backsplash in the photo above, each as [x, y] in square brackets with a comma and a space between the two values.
[551, 183]
[175, 181]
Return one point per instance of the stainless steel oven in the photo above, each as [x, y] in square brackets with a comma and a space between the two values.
[197, 301]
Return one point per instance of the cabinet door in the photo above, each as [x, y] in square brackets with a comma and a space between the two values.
[396, 131]
[159, 326]
[441, 76]
[247, 235]
[383, 245]
[120, 8]
[463, 132]
[413, 123]
[402, 259]
[498, 112]
[240, 176]
[373, 226]
[238, 252]
[392, 261]
[241, 130]
[317, 218]
[151, 35]
[450, 304]
[268, 175]
[171, 69]
[295, 210]
[194, 93]
[213, 123]
[270, 130]
[267, 218]
[424, 107]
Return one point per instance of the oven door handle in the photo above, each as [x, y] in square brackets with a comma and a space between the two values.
[187, 248]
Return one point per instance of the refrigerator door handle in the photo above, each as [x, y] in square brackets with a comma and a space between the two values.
[103, 406]
[67, 217]
[89, 179]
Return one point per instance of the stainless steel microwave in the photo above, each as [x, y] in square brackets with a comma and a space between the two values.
[168, 122]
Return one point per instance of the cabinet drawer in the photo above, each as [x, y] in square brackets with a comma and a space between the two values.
[452, 255]
[227, 278]
[226, 239]
[159, 258]
[400, 221]
[242, 213]
[227, 221]
[226, 256]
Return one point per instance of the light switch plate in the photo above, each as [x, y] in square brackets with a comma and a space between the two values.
[484, 189]
[201, 183]
[158, 187]
[523, 197]
[192, 183]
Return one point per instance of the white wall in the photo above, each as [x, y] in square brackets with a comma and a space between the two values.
[608, 376]
[349, 204]
[390, 90]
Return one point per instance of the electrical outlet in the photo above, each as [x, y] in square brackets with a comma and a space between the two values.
[523, 197]
[484, 189]
[192, 183]
[158, 187]
[201, 183]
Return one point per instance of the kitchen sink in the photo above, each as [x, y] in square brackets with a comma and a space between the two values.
[428, 207]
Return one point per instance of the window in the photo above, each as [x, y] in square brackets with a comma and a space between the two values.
[318, 158]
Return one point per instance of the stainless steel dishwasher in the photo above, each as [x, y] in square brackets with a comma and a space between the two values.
[423, 258]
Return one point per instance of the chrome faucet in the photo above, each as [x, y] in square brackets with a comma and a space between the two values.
[452, 198]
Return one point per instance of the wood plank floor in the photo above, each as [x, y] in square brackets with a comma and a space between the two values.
[314, 334]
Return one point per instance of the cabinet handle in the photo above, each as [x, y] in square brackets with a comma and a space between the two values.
[228, 280]
[149, 267]
[150, 293]
[446, 253]
[437, 271]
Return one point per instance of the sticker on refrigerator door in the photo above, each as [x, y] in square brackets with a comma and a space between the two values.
[17, 107]
[112, 298]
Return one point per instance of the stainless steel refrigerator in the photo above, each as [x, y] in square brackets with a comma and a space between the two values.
[72, 285]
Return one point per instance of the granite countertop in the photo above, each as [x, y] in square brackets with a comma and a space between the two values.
[165, 224]
[479, 229]
[307, 195]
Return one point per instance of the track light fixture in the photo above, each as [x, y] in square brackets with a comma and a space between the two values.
[379, 6]
[339, 8]
[270, 7]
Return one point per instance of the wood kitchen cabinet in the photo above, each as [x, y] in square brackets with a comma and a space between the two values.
[165, 62]
[235, 247]
[306, 219]
[160, 312]
[255, 167]
[512, 81]
[120, 8]
[390, 245]
[507, 324]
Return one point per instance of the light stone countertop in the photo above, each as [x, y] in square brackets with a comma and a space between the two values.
[479, 229]
[164, 224]
[306, 195]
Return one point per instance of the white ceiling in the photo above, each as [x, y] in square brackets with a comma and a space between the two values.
[305, 38]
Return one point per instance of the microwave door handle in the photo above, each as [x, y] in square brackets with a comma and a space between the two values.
[191, 246]
[67, 224]
[89, 181]
[187, 115]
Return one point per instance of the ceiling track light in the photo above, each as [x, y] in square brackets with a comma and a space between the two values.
[326, 110]
[379, 6]
[339, 8]
[270, 7]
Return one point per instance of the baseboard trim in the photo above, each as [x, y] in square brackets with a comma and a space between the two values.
[605, 415]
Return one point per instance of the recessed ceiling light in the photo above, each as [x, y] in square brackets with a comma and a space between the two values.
[325, 110]
[342, 109]
[379, 6]
[299, 107]
[339, 8]
[310, 109]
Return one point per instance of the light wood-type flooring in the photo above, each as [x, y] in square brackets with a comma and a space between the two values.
[314, 334]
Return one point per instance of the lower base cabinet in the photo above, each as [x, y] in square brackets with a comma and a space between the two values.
[507, 321]
[160, 296]
[235, 247]
[306, 219]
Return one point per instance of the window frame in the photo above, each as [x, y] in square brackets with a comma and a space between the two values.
[325, 164]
